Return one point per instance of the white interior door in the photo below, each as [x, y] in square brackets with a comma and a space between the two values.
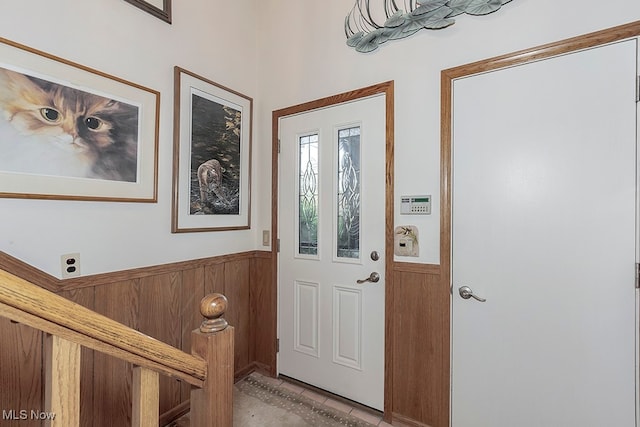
[543, 228]
[331, 220]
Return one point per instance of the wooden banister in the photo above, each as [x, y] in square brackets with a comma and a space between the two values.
[93, 330]
[69, 325]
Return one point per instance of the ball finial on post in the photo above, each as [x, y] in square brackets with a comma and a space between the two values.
[212, 308]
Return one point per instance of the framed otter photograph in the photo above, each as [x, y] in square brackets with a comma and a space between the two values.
[211, 155]
[71, 132]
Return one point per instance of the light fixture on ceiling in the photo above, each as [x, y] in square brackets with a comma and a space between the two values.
[365, 34]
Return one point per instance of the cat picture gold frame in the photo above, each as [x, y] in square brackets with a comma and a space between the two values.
[71, 132]
[211, 156]
[158, 8]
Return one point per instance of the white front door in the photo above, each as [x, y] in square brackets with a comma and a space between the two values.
[332, 224]
[544, 228]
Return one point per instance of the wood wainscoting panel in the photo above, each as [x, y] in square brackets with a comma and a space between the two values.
[20, 356]
[86, 298]
[214, 279]
[113, 377]
[420, 346]
[192, 294]
[236, 289]
[161, 301]
[159, 317]
[263, 328]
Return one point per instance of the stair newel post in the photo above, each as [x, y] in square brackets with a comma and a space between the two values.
[212, 405]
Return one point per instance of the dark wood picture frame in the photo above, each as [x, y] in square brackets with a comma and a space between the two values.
[163, 13]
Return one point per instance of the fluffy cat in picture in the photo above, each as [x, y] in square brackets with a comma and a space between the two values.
[51, 129]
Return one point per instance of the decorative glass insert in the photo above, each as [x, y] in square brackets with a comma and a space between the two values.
[308, 195]
[348, 234]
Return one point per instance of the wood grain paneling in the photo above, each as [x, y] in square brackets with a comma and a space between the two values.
[236, 289]
[214, 279]
[263, 327]
[20, 356]
[160, 301]
[158, 316]
[113, 377]
[192, 293]
[420, 348]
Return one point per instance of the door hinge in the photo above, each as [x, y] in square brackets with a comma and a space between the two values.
[637, 276]
[278, 245]
[277, 345]
[278, 145]
[638, 89]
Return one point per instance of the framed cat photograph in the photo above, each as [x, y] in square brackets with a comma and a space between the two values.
[211, 156]
[71, 132]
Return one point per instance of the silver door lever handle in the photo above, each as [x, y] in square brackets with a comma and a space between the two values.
[466, 293]
[373, 278]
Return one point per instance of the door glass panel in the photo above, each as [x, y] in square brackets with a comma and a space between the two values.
[308, 195]
[348, 221]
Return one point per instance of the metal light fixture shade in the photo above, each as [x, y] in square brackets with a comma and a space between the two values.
[366, 35]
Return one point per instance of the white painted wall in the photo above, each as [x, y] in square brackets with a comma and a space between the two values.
[280, 52]
[213, 39]
[303, 56]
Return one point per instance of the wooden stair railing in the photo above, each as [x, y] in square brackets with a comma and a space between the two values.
[70, 326]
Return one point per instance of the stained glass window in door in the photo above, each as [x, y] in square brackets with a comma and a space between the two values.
[308, 195]
[348, 220]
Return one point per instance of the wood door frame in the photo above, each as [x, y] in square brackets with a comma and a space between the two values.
[386, 88]
[573, 44]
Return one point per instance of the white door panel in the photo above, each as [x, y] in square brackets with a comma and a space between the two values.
[331, 328]
[543, 227]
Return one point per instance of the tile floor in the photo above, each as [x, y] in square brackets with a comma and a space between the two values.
[370, 416]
